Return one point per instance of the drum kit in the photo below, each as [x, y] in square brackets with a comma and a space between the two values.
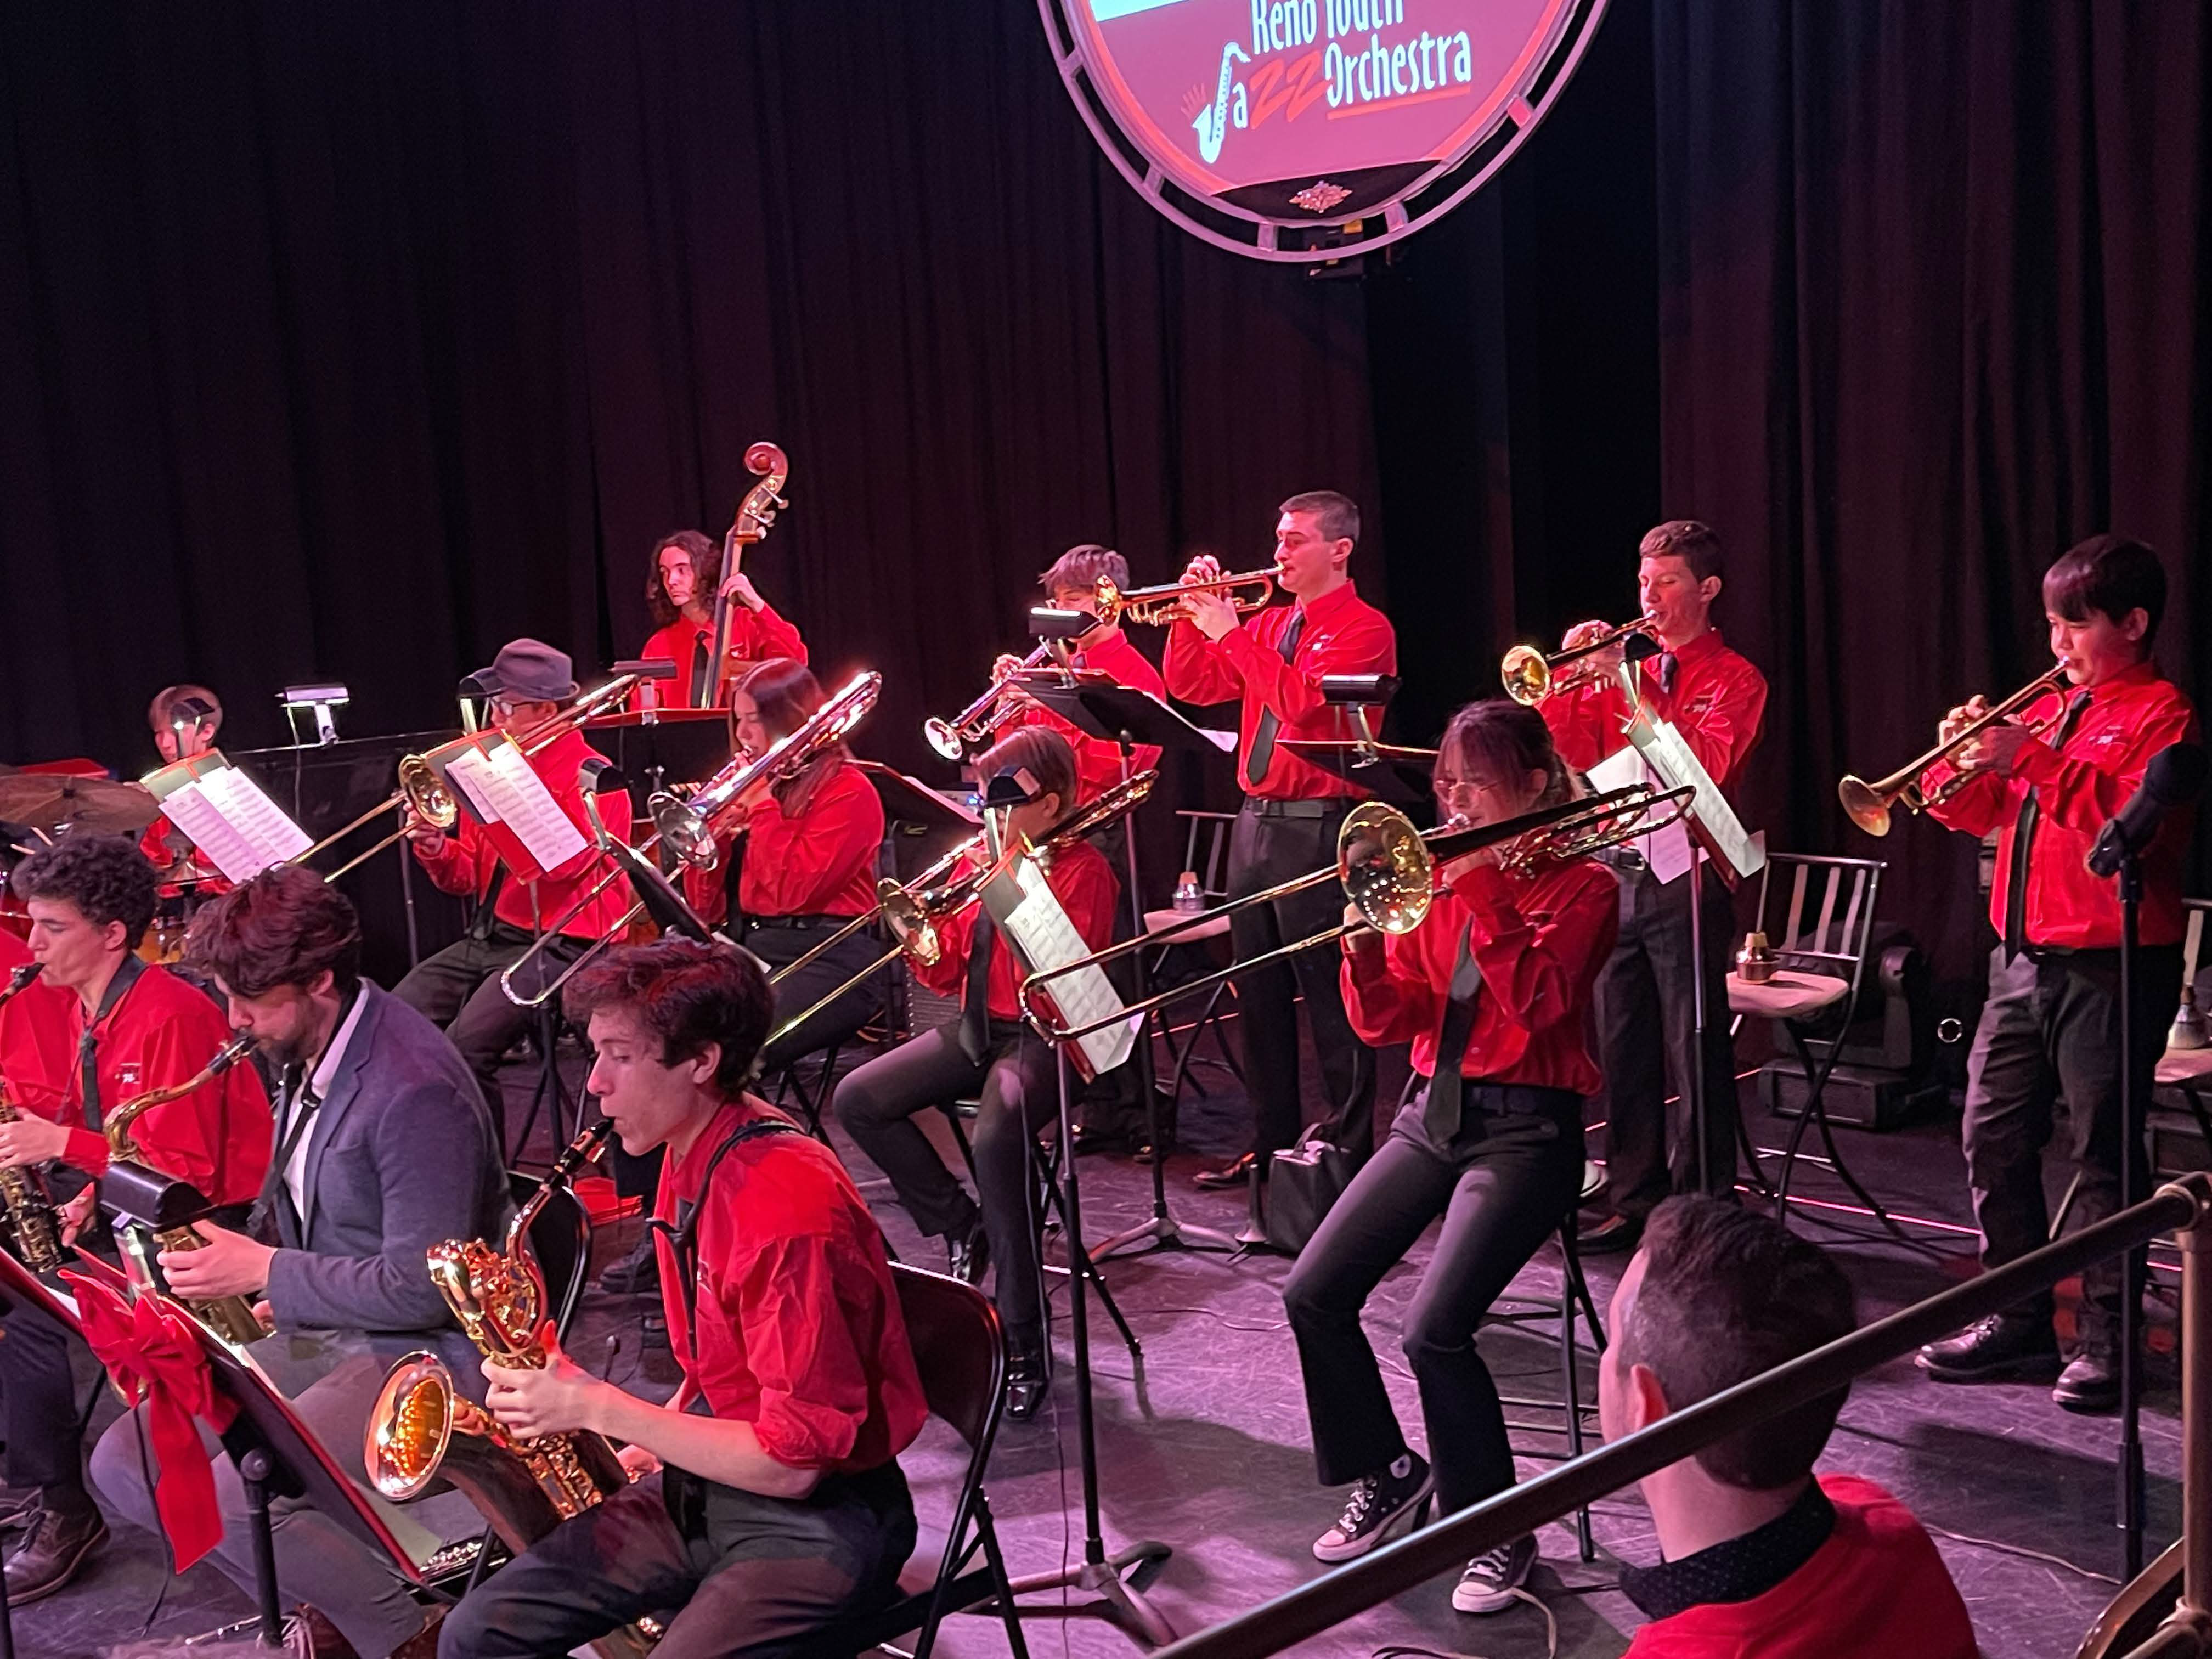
[38, 809]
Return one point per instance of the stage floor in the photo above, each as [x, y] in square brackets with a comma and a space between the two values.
[1204, 1446]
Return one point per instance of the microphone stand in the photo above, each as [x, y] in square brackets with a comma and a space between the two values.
[2134, 1265]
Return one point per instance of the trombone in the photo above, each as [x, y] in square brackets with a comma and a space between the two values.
[914, 910]
[1155, 607]
[687, 827]
[1868, 804]
[981, 720]
[1388, 871]
[1531, 675]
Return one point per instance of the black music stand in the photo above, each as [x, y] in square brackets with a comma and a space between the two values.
[1129, 718]
[1391, 772]
[909, 800]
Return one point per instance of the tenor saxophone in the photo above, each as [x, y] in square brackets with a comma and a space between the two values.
[31, 1220]
[230, 1317]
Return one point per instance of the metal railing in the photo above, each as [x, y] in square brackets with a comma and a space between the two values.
[2182, 1206]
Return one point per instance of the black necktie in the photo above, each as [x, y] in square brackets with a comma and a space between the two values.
[87, 1042]
[1670, 667]
[1440, 1114]
[1263, 739]
[305, 1100]
[2023, 834]
[975, 999]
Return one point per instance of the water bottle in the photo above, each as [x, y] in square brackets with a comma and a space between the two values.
[1189, 896]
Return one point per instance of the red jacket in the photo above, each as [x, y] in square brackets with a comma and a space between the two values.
[173, 855]
[755, 637]
[2079, 788]
[818, 862]
[1876, 1589]
[1082, 880]
[1098, 760]
[1343, 634]
[1717, 703]
[37, 1037]
[1540, 943]
[467, 859]
[161, 1031]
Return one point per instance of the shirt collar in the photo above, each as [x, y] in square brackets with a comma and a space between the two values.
[1324, 610]
[1736, 1569]
[327, 1068]
[1704, 645]
[2143, 673]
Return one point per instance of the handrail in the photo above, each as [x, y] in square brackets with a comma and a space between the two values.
[1305, 1612]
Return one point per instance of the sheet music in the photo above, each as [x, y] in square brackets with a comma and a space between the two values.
[1666, 851]
[229, 818]
[1040, 931]
[497, 776]
[1669, 755]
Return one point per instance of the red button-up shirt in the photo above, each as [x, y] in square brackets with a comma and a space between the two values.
[755, 637]
[1080, 878]
[2079, 788]
[817, 862]
[38, 1039]
[468, 858]
[1539, 942]
[799, 1328]
[1098, 760]
[1344, 635]
[162, 1031]
[1716, 705]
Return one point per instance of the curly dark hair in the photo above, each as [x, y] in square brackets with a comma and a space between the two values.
[106, 876]
[688, 994]
[706, 571]
[285, 928]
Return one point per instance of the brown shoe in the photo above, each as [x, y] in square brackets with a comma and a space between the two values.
[423, 1644]
[324, 1640]
[59, 1543]
[1235, 1173]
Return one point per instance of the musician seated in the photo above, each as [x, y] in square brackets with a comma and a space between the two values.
[185, 720]
[1071, 584]
[772, 1501]
[798, 863]
[1761, 1556]
[384, 1148]
[681, 592]
[459, 988]
[1492, 989]
[1029, 782]
[131, 1028]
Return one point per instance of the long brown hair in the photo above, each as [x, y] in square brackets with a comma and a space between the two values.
[1494, 739]
[787, 695]
[706, 573]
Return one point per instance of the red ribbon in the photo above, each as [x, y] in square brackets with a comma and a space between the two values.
[153, 1356]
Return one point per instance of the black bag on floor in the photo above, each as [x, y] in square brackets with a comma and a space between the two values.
[1303, 1181]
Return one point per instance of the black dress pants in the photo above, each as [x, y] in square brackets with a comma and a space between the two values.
[781, 940]
[1017, 1083]
[1271, 842]
[1647, 1037]
[41, 1392]
[459, 988]
[1503, 1186]
[2051, 1033]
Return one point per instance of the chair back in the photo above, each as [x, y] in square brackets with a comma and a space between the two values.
[1826, 911]
[561, 1239]
[1205, 849]
[959, 1351]
[2194, 912]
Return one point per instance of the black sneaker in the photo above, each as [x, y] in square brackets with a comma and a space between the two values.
[967, 1253]
[1491, 1578]
[2003, 1347]
[1374, 1507]
[2091, 1382]
[1028, 1375]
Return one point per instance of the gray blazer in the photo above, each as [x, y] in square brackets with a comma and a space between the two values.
[401, 1154]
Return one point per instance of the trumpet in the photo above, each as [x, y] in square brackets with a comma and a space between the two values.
[31, 1220]
[1531, 675]
[1387, 869]
[981, 720]
[1155, 607]
[1868, 804]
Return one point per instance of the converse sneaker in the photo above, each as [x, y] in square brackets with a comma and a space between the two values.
[1374, 1507]
[1491, 1578]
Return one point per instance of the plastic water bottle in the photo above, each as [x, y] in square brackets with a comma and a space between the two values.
[1189, 896]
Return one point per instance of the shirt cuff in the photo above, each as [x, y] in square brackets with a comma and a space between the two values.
[87, 1151]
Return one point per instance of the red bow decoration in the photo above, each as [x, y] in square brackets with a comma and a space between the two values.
[153, 1356]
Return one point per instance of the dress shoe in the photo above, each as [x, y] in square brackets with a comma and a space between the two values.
[1029, 1375]
[17, 1505]
[2003, 1347]
[60, 1540]
[967, 1255]
[2091, 1382]
[1235, 1173]
[423, 1644]
[636, 1273]
[324, 1639]
[1608, 1235]
[1089, 1141]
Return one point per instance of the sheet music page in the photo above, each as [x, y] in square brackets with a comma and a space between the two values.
[1040, 931]
[1669, 756]
[256, 816]
[189, 808]
[1667, 851]
[469, 772]
[525, 805]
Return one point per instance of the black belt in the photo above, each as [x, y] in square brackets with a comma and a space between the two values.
[798, 923]
[1323, 807]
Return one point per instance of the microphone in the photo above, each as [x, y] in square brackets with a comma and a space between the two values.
[2175, 777]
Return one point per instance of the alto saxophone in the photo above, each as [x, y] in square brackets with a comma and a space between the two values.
[31, 1220]
[231, 1317]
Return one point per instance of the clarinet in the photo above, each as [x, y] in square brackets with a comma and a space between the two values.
[32, 1222]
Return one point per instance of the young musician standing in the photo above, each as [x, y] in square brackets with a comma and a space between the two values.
[1029, 785]
[130, 1027]
[1275, 662]
[1492, 990]
[778, 1503]
[680, 594]
[2051, 1027]
[1646, 997]
[384, 1149]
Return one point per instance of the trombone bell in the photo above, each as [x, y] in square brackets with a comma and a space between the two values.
[1385, 867]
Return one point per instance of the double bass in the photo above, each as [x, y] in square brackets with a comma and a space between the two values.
[755, 516]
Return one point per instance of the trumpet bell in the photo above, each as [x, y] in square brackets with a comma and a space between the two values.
[944, 737]
[1865, 806]
[410, 1427]
[1385, 868]
[1526, 675]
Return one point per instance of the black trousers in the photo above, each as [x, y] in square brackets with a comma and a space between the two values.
[1269, 845]
[2050, 1033]
[459, 988]
[1647, 1038]
[752, 1576]
[1504, 1185]
[40, 1391]
[1017, 1083]
[778, 941]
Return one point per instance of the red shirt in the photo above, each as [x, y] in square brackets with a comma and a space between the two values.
[1081, 879]
[755, 637]
[799, 1328]
[2079, 788]
[468, 860]
[37, 1037]
[1876, 1589]
[1539, 942]
[1098, 760]
[1343, 634]
[817, 862]
[171, 852]
[160, 1032]
[1717, 702]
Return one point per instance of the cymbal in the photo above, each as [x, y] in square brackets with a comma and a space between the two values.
[55, 803]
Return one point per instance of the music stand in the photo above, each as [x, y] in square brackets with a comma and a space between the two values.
[909, 800]
[1392, 772]
[1128, 717]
